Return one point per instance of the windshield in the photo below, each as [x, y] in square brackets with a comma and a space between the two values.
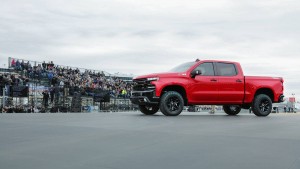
[183, 67]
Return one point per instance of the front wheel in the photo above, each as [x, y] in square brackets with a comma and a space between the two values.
[262, 105]
[148, 110]
[232, 109]
[171, 103]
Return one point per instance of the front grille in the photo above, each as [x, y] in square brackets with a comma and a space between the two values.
[142, 85]
[137, 94]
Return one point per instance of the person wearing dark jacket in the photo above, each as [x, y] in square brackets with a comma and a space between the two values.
[54, 81]
[52, 92]
[56, 91]
[44, 65]
[45, 98]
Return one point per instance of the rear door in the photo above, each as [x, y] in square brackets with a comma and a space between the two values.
[231, 83]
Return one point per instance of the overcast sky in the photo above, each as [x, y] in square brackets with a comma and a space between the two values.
[145, 36]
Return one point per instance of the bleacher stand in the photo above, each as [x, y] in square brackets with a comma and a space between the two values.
[62, 83]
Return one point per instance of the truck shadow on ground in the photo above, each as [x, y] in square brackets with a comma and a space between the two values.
[203, 115]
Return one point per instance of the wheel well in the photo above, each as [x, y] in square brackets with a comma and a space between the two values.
[265, 91]
[178, 89]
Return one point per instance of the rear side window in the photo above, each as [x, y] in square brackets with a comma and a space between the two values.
[226, 69]
[207, 69]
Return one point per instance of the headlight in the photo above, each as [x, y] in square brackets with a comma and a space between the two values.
[153, 79]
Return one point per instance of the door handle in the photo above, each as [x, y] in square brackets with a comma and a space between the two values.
[239, 80]
[213, 80]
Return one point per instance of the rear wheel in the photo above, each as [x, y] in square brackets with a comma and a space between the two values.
[171, 103]
[262, 105]
[232, 109]
[148, 110]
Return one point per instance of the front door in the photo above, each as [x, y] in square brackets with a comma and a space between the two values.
[204, 87]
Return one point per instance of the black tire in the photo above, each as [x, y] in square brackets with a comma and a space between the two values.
[232, 109]
[262, 105]
[148, 110]
[171, 103]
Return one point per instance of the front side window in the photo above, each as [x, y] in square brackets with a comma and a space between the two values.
[207, 69]
[226, 69]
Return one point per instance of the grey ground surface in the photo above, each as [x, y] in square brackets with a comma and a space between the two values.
[129, 140]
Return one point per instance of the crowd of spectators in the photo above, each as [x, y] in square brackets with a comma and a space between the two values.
[13, 79]
[59, 81]
[87, 82]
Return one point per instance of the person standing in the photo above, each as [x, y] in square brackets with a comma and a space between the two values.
[213, 109]
[44, 65]
[56, 91]
[45, 98]
[124, 93]
[13, 63]
[52, 91]
[18, 65]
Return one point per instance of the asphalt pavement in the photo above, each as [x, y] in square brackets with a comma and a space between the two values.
[130, 140]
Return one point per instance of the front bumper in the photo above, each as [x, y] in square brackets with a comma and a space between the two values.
[144, 97]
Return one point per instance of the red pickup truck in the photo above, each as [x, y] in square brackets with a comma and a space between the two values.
[206, 82]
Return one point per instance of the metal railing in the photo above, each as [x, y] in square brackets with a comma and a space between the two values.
[24, 104]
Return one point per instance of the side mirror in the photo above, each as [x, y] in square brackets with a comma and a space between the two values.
[194, 73]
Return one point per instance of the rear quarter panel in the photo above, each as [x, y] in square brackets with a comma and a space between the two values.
[254, 83]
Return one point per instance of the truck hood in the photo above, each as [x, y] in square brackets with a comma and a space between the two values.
[161, 75]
